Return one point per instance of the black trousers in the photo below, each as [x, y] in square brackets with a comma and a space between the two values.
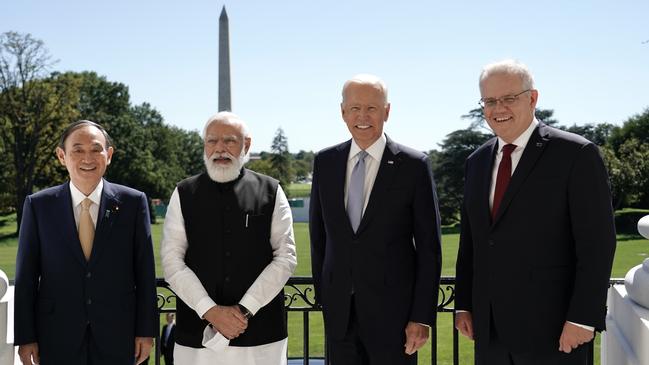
[91, 354]
[353, 349]
[499, 354]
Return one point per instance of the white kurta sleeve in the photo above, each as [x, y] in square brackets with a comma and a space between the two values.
[182, 280]
[273, 278]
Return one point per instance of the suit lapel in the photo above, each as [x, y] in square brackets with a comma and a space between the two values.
[338, 179]
[66, 220]
[485, 164]
[533, 150]
[108, 210]
[387, 170]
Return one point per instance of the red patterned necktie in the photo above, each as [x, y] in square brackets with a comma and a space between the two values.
[503, 177]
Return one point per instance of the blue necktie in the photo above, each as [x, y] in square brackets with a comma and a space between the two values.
[355, 194]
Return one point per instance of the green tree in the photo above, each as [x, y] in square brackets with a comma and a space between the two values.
[149, 155]
[261, 166]
[34, 108]
[281, 159]
[448, 169]
[628, 170]
[545, 116]
[596, 133]
[636, 127]
[303, 164]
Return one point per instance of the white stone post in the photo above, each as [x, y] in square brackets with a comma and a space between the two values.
[6, 321]
[626, 339]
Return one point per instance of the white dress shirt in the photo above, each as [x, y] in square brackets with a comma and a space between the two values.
[521, 143]
[78, 197]
[184, 282]
[372, 164]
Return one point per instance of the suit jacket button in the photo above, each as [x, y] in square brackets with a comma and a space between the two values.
[89, 301]
[227, 279]
[492, 243]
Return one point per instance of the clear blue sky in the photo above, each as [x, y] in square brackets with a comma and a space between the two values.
[290, 58]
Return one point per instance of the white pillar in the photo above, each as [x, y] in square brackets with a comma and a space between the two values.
[627, 322]
[6, 321]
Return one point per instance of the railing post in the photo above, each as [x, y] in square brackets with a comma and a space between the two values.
[305, 330]
[456, 344]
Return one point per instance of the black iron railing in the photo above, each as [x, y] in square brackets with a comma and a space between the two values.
[299, 297]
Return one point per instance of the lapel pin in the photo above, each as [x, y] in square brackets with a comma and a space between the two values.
[539, 144]
[390, 162]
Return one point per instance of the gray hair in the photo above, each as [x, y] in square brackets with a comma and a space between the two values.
[227, 118]
[509, 67]
[367, 79]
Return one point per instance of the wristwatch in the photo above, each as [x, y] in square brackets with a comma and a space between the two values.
[246, 313]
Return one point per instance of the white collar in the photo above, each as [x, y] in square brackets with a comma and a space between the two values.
[78, 196]
[375, 150]
[522, 140]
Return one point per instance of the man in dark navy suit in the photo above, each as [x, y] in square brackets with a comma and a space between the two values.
[538, 235]
[84, 254]
[375, 238]
[168, 338]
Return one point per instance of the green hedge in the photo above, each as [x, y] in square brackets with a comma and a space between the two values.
[626, 220]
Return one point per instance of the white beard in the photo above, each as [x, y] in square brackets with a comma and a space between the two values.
[225, 173]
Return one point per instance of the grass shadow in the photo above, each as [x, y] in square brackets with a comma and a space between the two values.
[454, 229]
[624, 237]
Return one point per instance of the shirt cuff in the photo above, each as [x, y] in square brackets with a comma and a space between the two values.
[204, 305]
[250, 303]
[583, 326]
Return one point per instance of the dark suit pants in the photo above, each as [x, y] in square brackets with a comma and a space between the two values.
[88, 354]
[352, 349]
[498, 354]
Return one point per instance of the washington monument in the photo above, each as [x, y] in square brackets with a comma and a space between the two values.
[225, 101]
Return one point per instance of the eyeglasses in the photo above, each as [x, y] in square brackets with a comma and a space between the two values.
[507, 100]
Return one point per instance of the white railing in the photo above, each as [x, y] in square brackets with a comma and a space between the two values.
[627, 322]
[7, 352]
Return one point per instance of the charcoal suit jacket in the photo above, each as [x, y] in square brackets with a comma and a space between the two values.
[546, 257]
[393, 260]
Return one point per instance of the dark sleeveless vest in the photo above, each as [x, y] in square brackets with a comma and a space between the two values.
[228, 233]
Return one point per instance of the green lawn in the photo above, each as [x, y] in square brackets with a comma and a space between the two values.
[295, 190]
[631, 250]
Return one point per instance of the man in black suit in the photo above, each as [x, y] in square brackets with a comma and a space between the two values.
[85, 251]
[375, 239]
[167, 339]
[538, 236]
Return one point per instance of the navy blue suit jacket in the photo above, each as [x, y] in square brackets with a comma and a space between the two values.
[546, 257]
[393, 261]
[59, 295]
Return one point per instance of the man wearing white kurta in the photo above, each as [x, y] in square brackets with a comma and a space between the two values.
[227, 252]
